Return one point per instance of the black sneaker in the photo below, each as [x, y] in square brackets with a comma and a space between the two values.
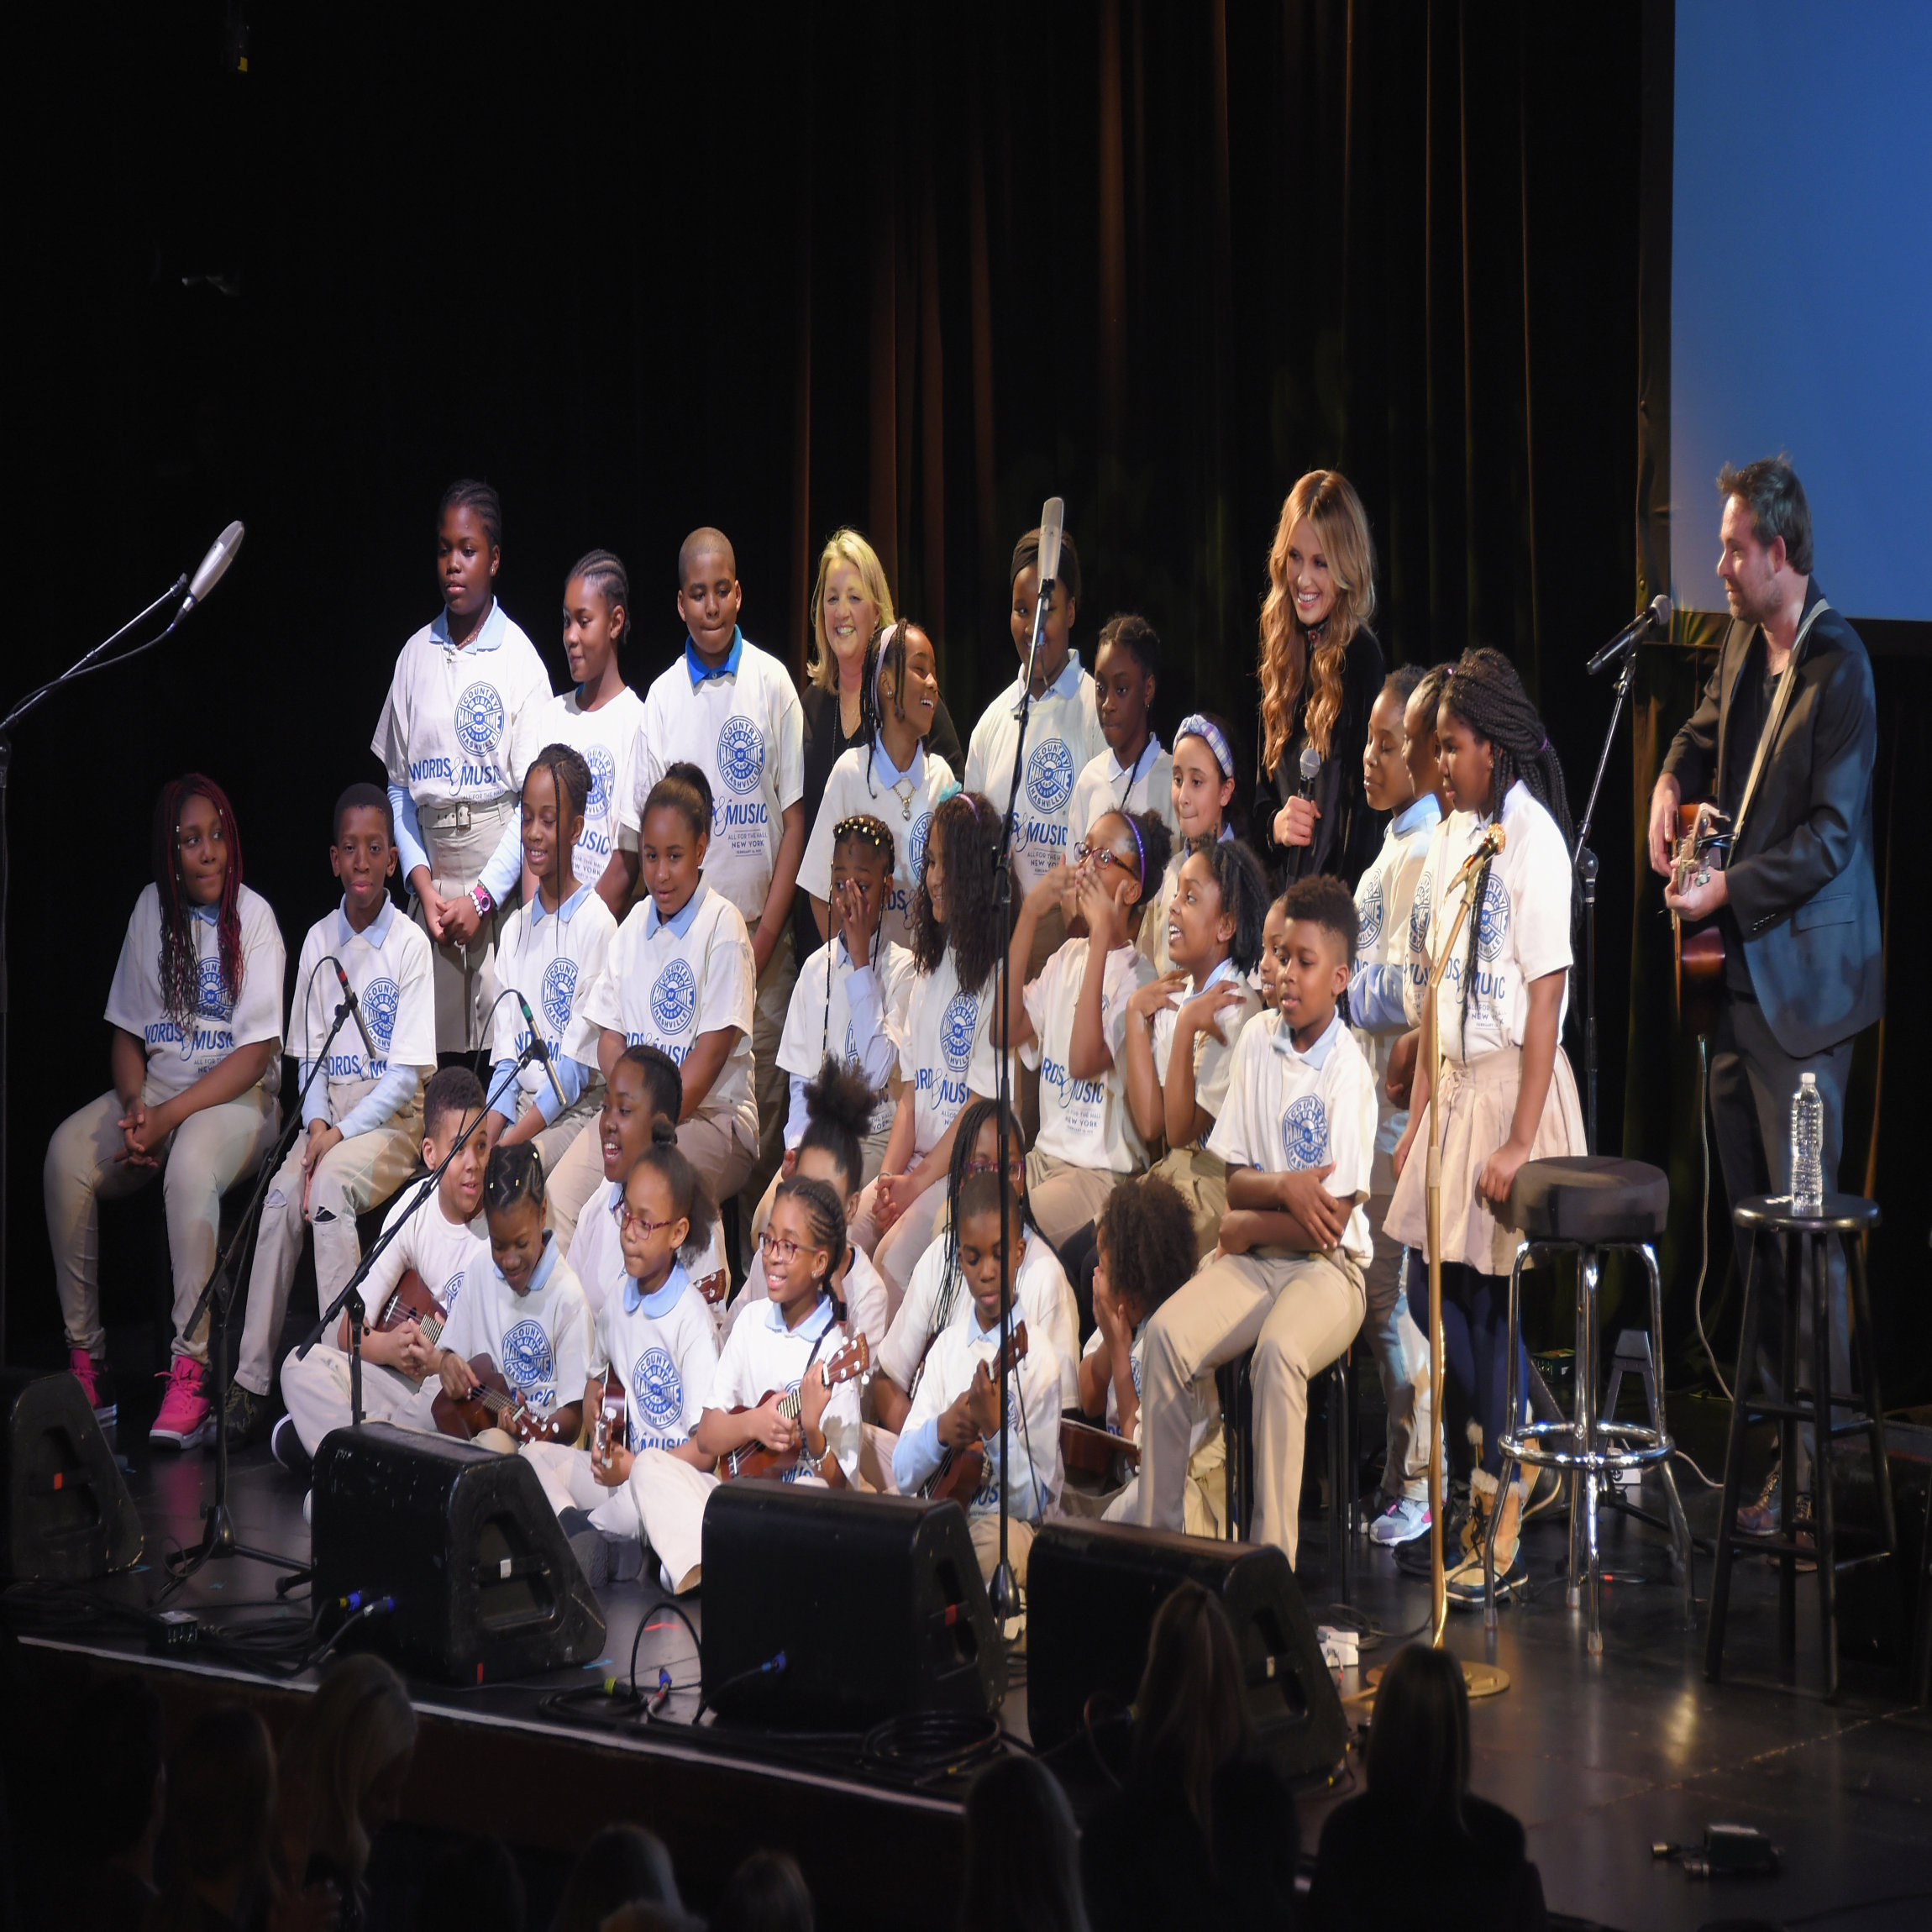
[1412, 1559]
[285, 1445]
[248, 1416]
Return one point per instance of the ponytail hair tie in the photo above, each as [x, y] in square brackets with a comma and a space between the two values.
[1194, 724]
[1542, 747]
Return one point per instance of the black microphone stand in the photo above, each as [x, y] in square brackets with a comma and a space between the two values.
[1585, 867]
[91, 662]
[216, 1301]
[1006, 1591]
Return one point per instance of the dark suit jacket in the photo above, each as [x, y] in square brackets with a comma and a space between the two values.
[1800, 873]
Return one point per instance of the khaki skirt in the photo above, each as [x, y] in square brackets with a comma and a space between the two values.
[1478, 1100]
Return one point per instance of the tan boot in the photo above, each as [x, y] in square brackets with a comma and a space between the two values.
[1465, 1585]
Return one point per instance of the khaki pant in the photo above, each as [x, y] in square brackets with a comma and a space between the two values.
[1064, 1198]
[985, 1531]
[349, 1179]
[771, 1087]
[464, 977]
[1401, 1353]
[568, 1482]
[204, 1156]
[315, 1388]
[896, 1253]
[670, 1495]
[1202, 1181]
[1298, 1313]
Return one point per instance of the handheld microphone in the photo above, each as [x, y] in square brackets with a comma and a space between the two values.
[540, 1053]
[212, 567]
[1310, 771]
[1052, 530]
[1657, 616]
[349, 996]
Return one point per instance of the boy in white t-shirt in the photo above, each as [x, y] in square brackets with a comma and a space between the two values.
[443, 1242]
[364, 1114]
[732, 709]
[1298, 1133]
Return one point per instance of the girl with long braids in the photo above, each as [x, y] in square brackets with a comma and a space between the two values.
[890, 776]
[1321, 670]
[1508, 1094]
[195, 1010]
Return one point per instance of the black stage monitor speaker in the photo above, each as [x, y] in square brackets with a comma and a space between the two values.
[1092, 1591]
[66, 1515]
[467, 1544]
[876, 1601]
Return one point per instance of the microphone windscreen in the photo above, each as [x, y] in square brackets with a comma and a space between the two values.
[1311, 763]
[1660, 612]
[221, 554]
[1052, 527]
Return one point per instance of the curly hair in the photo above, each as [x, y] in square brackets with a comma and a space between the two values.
[1243, 888]
[1149, 1233]
[1153, 845]
[837, 1117]
[1327, 499]
[964, 830]
[180, 966]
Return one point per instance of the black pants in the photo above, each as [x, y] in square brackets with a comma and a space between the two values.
[1752, 1080]
[1475, 1360]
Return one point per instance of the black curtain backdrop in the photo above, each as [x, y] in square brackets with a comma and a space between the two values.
[780, 269]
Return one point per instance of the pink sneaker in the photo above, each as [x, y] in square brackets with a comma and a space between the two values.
[92, 1376]
[186, 1420]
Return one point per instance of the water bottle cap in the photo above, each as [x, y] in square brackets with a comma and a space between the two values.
[1808, 1079]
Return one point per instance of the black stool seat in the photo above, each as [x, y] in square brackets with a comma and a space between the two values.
[1592, 1199]
[1842, 1214]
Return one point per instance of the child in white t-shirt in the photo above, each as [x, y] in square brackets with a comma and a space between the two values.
[1298, 1134]
[1146, 1250]
[1133, 773]
[1071, 1021]
[891, 777]
[1384, 897]
[364, 1114]
[1508, 1095]
[772, 1388]
[195, 1007]
[458, 728]
[443, 1242]
[1205, 811]
[549, 953]
[678, 975]
[654, 1342]
[957, 1408]
[944, 1054]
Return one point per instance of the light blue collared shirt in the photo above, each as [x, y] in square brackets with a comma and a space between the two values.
[489, 633]
[700, 672]
[662, 1299]
[1318, 1054]
[410, 850]
[811, 1328]
[890, 774]
[566, 911]
[1063, 687]
[393, 1090]
[546, 1262]
[680, 920]
[1375, 991]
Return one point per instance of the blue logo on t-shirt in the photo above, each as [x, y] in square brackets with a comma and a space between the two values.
[657, 1389]
[1368, 916]
[212, 999]
[559, 984]
[674, 997]
[956, 1026]
[479, 719]
[915, 851]
[1305, 1133]
[1418, 913]
[1050, 776]
[1493, 922]
[380, 1000]
[529, 1362]
[451, 1288]
[603, 780]
[741, 754]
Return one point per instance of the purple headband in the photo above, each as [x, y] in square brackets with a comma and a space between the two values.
[1139, 847]
[1194, 724]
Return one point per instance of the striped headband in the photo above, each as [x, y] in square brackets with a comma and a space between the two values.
[1194, 724]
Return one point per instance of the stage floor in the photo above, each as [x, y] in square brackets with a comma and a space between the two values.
[1600, 1757]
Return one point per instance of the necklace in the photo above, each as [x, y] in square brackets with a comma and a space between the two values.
[903, 789]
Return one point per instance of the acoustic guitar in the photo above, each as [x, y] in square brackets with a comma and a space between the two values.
[492, 1404]
[1703, 840]
[411, 1302]
[961, 1471]
[753, 1460]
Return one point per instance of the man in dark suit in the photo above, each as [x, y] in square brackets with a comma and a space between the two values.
[1784, 741]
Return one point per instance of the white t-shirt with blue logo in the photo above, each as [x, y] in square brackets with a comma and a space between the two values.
[1086, 1123]
[451, 1256]
[745, 731]
[1214, 1059]
[664, 983]
[552, 959]
[1286, 1110]
[862, 783]
[597, 1249]
[762, 1357]
[459, 727]
[389, 964]
[540, 1340]
[665, 1351]
[178, 1057]
[819, 1019]
[1063, 737]
[1106, 785]
[608, 738]
[945, 1051]
[1522, 930]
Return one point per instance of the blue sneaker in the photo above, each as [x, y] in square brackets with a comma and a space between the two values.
[1403, 1521]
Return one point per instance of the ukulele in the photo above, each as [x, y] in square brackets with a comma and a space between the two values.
[490, 1404]
[961, 1471]
[611, 1425]
[1096, 1451]
[754, 1459]
[411, 1302]
[1702, 842]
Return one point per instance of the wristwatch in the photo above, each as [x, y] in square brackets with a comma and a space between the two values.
[481, 900]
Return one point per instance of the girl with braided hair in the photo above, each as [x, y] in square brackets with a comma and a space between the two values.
[1508, 1094]
[195, 1010]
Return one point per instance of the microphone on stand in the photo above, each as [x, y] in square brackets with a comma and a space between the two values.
[212, 567]
[1657, 616]
[540, 1053]
[1053, 529]
[348, 991]
[1487, 847]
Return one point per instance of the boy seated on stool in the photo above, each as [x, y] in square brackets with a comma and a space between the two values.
[1298, 1134]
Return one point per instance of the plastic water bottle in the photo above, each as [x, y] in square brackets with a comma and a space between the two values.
[1807, 1148]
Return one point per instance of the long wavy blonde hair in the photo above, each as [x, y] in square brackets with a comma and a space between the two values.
[1327, 499]
[844, 546]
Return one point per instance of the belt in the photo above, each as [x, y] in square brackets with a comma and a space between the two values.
[444, 818]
